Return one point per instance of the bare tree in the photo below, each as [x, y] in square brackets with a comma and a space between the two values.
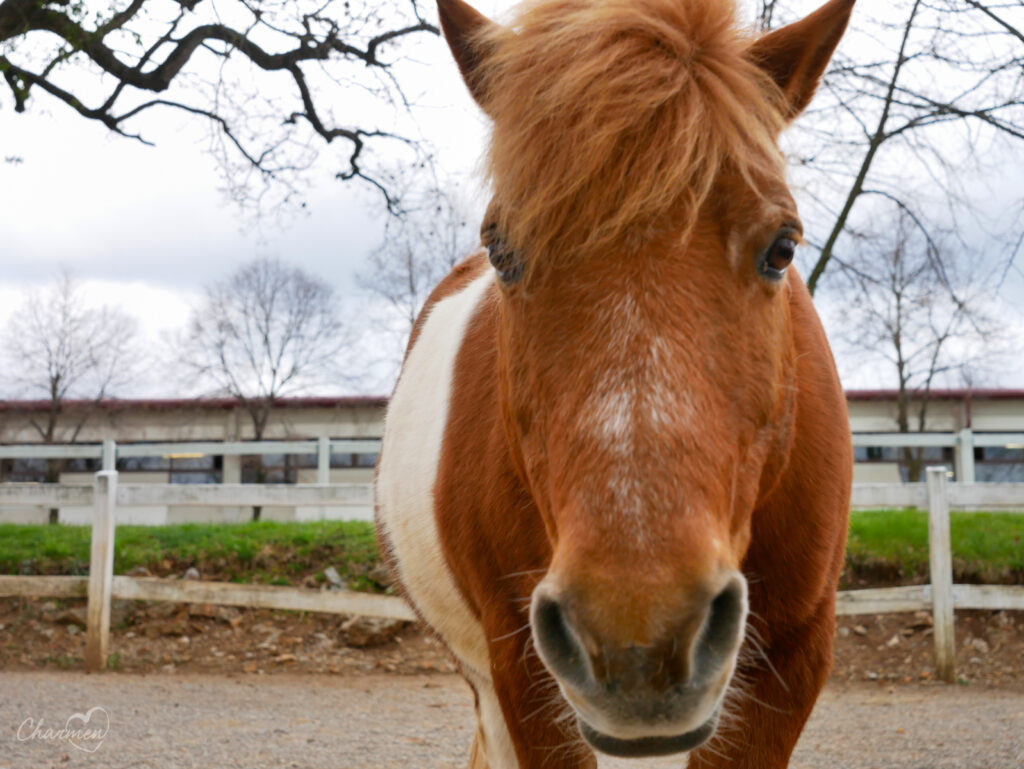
[265, 332]
[907, 312]
[276, 81]
[924, 99]
[418, 250]
[59, 347]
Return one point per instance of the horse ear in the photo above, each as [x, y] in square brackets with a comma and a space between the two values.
[461, 24]
[795, 56]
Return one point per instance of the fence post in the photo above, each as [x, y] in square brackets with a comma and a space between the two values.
[109, 455]
[964, 453]
[941, 561]
[323, 472]
[323, 461]
[101, 570]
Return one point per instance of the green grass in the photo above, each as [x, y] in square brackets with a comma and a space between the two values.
[987, 547]
[885, 546]
[265, 551]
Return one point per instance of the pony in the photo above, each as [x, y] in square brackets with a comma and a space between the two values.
[616, 465]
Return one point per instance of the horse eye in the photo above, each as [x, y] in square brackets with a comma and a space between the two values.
[504, 260]
[777, 257]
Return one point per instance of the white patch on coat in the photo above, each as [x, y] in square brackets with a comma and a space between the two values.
[413, 433]
[492, 736]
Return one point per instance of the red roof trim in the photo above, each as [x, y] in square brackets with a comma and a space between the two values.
[176, 404]
[940, 394]
[380, 401]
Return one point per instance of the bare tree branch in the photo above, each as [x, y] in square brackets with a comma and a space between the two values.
[873, 144]
[997, 19]
[897, 308]
[267, 331]
[286, 38]
[60, 347]
[920, 126]
[419, 249]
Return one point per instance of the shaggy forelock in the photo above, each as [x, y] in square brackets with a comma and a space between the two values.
[613, 117]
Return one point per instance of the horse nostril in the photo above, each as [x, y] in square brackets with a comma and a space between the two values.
[724, 624]
[557, 643]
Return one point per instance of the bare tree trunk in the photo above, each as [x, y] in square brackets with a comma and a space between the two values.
[260, 416]
[876, 141]
[265, 331]
[913, 460]
[912, 456]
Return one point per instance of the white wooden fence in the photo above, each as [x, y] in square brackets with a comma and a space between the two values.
[942, 597]
[962, 443]
[101, 586]
[110, 452]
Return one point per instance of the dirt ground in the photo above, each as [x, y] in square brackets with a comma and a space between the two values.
[207, 721]
[200, 686]
[178, 638]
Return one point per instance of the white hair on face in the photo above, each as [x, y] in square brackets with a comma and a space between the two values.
[634, 397]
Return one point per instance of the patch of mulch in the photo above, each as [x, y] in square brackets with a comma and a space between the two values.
[899, 648]
[862, 572]
[167, 638]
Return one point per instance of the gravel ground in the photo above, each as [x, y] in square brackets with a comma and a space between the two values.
[399, 722]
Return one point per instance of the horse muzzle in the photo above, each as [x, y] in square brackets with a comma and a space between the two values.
[654, 698]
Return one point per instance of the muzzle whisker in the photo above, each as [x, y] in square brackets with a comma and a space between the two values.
[753, 638]
[546, 707]
[573, 747]
[513, 633]
[709, 747]
[526, 573]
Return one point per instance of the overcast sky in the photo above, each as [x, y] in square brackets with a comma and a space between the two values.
[147, 227]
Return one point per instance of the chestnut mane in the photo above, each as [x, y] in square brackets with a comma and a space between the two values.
[613, 118]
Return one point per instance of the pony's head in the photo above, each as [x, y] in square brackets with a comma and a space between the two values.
[641, 229]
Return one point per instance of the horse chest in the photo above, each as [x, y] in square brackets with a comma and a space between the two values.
[409, 467]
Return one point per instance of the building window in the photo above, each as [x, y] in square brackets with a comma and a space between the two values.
[347, 459]
[367, 460]
[87, 465]
[195, 468]
[269, 468]
[143, 464]
[25, 470]
[875, 454]
[999, 464]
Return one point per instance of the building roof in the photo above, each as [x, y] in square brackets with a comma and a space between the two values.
[379, 401]
[958, 394]
[177, 404]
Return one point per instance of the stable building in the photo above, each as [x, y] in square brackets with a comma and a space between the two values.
[978, 434]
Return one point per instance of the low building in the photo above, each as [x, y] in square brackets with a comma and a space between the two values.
[979, 434]
[171, 428]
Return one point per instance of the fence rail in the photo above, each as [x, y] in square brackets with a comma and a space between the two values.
[150, 512]
[962, 442]
[216, 448]
[942, 597]
[239, 494]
